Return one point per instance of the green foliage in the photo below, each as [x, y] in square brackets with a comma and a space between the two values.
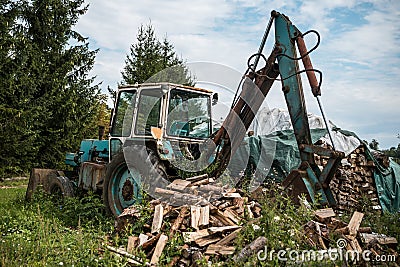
[394, 153]
[281, 222]
[374, 144]
[48, 102]
[41, 234]
[152, 60]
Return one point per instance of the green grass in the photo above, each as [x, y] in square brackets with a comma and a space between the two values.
[76, 232]
[40, 233]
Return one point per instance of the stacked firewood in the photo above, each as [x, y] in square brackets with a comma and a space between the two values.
[349, 237]
[208, 228]
[353, 182]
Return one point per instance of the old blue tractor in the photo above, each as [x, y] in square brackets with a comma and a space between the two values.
[162, 131]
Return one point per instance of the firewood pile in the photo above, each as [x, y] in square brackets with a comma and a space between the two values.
[353, 181]
[352, 237]
[210, 216]
[208, 228]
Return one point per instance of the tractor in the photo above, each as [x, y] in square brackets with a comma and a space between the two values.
[163, 131]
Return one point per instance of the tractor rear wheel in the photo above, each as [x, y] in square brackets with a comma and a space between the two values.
[60, 187]
[122, 181]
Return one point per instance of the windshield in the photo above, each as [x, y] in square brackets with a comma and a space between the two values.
[122, 123]
[148, 111]
[188, 114]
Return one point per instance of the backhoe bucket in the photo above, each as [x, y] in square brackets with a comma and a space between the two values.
[41, 178]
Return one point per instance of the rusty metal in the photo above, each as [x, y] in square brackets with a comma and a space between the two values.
[41, 178]
[242, 114]
[312, 79]
[91, 175]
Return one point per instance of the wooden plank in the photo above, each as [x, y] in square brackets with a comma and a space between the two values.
[204, 241]
[221, 217]
[194, 216]
[233, 216]
[202, 182]
[229, 238]
[178, 184]
[129, 257]
[323, 214]
[159, 249]
[204, 218]
[355, 222]
[178, 221]
[197, 178]
[193, 236]
[382, 239]
[157, 219]
[231, 195]
[220, 250]
[213, 230]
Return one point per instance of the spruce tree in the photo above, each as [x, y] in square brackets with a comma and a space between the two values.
[47, 101]
[152, 60]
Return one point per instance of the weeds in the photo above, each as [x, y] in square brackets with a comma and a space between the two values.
[39, 233]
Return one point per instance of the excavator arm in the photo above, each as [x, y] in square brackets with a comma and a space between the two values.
[283, 61]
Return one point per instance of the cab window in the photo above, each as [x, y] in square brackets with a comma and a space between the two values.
[122, 123]
[188, 114]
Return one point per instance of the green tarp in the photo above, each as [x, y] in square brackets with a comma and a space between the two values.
[275, 155]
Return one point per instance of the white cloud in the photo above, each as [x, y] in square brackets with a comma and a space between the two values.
[359, 52]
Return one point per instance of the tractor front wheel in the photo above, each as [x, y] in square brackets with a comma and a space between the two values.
[127, 173]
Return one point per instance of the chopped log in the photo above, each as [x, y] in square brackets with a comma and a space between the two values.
[202, 182]
[231, 195]
[194, 216]
[213, 230]
[352, 241]
[204, 241]
[355, 222]
[159, 249]
[180, 198]
[232, 215]
[251, 248]
[382, 239]
[130, 258]
[178, 184]
[229, 238]
[212, 188]
[149, 243]
[225, 220]
[220, 250]
[143, 239]
[224, 205]
[343, 230]
[323, 214]
[193, 236]
[204, 218]
[178, 221]
[157, 219]
[197, 178]
[133, 241]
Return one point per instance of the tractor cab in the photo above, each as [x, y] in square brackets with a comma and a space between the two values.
[163, 112]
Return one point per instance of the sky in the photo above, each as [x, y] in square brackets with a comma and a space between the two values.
[359, 53]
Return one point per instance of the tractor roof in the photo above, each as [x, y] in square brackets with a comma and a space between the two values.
[171, 85]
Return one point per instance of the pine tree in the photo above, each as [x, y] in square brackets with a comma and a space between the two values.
[47, 100]
[151, 60]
